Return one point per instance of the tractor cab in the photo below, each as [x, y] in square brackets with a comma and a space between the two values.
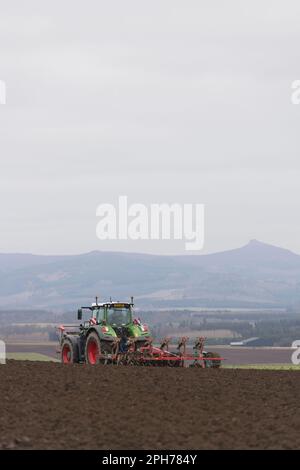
[115, 319]
[114, 314]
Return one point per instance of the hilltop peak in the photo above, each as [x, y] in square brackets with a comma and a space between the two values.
[258, 244]
[254, 242]
[262, 246]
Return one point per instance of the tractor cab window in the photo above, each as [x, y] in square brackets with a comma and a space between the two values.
[98, 314]
[118, 316]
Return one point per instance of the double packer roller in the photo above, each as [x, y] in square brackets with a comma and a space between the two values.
[112, 335]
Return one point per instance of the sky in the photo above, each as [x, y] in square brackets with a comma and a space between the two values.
[163, 101]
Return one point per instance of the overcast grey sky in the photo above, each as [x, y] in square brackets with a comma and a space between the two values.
[163, 101]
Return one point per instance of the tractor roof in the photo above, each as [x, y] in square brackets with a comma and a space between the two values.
[112, 305]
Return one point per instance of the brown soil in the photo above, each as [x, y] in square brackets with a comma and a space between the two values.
[52, 406]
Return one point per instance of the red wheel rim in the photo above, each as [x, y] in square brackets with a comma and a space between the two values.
[66, 354]
[92, 351]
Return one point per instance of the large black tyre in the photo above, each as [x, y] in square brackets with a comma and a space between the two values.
[215, 363]
[93, 349]
[70, 351]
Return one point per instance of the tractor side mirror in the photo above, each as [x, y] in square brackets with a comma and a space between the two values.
[79, 314]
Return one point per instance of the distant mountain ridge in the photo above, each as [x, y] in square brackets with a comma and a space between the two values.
[256, 274]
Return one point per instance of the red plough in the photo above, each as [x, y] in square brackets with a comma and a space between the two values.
[162, 356]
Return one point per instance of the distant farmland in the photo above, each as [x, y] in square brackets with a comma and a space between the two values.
[233, 355]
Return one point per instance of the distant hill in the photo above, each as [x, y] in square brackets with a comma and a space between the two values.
[256, 275]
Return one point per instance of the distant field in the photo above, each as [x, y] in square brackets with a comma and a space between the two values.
[32, 343]
[208, 334]
[264, 366]
[219, 309]
[42, 349]
[43, 358]
[234, 356]
[27, 356]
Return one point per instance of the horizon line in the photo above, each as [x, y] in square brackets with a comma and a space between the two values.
[188, 253]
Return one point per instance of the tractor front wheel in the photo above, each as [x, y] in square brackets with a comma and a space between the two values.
[93, 349]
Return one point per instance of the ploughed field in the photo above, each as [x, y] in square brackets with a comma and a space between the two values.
[55, 406]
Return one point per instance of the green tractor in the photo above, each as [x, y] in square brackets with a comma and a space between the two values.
[111, 335]
[105, 336]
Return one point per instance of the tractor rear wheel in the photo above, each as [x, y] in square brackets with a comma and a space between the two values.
[69, 351]
[93, 349]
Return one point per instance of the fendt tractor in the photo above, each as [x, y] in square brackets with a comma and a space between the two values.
[112, 335]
